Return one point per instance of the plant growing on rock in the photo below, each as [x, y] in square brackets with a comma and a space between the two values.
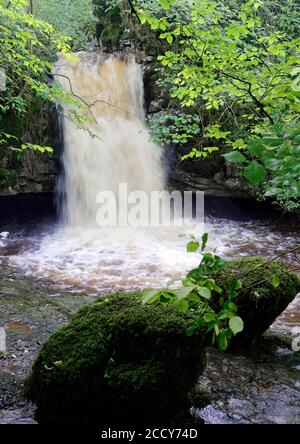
[196, 295]
[218, 290]
[268, 287]
[118, 363]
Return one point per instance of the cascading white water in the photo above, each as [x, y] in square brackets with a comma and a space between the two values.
[122, 151]
[79, 252]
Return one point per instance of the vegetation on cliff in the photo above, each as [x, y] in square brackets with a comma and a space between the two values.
[29, 46]
[234, 68]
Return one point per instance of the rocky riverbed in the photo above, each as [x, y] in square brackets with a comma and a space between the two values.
[261, 385]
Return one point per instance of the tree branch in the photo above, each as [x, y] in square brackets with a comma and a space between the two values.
[293, 250]
[249, 91]
[90, 105]
[268, 278]
[134, 11]
[76, 95]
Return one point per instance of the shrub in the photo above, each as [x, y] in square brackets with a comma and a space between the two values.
[117, 362]
[267, 290]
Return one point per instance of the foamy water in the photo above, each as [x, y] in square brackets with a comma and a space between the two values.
[113, 259]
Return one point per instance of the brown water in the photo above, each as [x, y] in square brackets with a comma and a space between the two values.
[103, 260]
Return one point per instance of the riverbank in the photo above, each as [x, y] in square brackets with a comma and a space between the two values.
[30, 312]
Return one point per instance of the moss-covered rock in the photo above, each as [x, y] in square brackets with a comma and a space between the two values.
[117, 362]
[259, 302]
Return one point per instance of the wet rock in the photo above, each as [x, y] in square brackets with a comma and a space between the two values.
[267, 393]
[8, 291]
[18, 326]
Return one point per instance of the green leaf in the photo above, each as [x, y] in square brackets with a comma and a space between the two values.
[194, 298]
[235, 157]
[169, 39]
[237, 284]
[173, 280]
[192, 247]
[182, 305]
[182, 293]
[230, 306]
[255, 173]
[232, 293]
[236, 324]
[166, 296]
[149, 296]
[222, 341]
[224, 314]
[204, 241]
[208, 317]
[204, 292]
[276, 281]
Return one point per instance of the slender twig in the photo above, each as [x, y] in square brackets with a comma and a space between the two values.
[268, 278]
[250, 92]
[293, 250]
[90, 105]
[76, 95]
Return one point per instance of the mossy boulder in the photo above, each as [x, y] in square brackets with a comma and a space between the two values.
[259, 302]
[117, 362]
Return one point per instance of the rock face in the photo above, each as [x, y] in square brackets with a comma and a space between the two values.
[217, 185]
[35, 172]
[118, 363]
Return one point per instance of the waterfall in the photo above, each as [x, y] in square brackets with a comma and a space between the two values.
[115, 146]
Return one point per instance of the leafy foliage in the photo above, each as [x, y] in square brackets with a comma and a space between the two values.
[224, 296]
[268, 287]
[235, 67]
[174, 128]
[195, 294]
[74, 18]
[275, 165]
[28, 50]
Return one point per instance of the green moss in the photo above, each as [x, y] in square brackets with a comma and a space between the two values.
[117, 362]
[110, 36]
[26, 127]
[259, 303]
[7, 177]
[110, 26]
